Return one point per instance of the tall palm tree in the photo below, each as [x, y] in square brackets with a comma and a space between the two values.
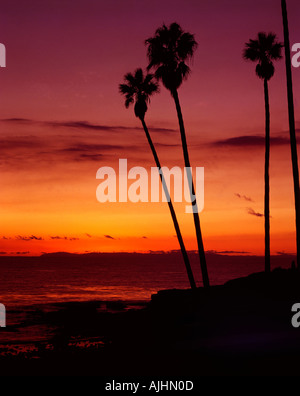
[264, 50]
[137, 89]
[293, 141]
[168, 52]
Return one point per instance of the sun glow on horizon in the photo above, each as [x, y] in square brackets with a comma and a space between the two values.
[62, 118]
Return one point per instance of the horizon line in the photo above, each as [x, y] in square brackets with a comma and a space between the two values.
[229, 253]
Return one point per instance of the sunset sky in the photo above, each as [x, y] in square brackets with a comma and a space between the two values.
[62, 118]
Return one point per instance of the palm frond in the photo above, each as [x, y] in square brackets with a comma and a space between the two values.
[186, 46]
[137, 89]
[138, 76]
[264, 50]
[175, 32]
[275, 51]
[168, 51]
[183, 70]
[128, 101]
[265, 70]
[126, 89]
[251, 53]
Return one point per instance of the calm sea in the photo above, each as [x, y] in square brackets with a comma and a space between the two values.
[31, 285]
[60, 277]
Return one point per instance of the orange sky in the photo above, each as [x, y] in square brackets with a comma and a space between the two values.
[63, 118]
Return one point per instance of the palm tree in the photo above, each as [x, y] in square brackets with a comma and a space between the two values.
[293, 141]
[264, 50]
[137, 89]
[168, 52]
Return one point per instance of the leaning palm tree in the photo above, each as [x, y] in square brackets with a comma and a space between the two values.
[168, 52]
[137, 89]
[293, 141]
[264, 50]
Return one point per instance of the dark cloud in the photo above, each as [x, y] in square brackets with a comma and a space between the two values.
[27, 149]
[20, 142]
[160, 130]
[109, 237]
[37, 238]
[86, 125]
[167, 145]
[98, 127]
[29, 142]
[227, 252]
[250, 141]
[252, 212]
[17, 120]
[80, 125]
[89, 157]
[232, 252]
[90, 152]
[92, 147]
[64, 238]
[28, 238]
[244, 197]
[61, 143]
[286, 254]
[216, 252]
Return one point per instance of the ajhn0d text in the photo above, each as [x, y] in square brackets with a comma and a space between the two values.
[155, 386]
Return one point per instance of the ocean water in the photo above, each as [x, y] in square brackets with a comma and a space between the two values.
[56, 278]
[31, 287]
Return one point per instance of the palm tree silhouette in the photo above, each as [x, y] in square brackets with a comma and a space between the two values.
[293, 141]
[168, 52]
[137, 89]
[264, 50]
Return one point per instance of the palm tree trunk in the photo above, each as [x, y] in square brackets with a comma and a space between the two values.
[192, 192]
[267, 180]
[292, 126]
[173, 214]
